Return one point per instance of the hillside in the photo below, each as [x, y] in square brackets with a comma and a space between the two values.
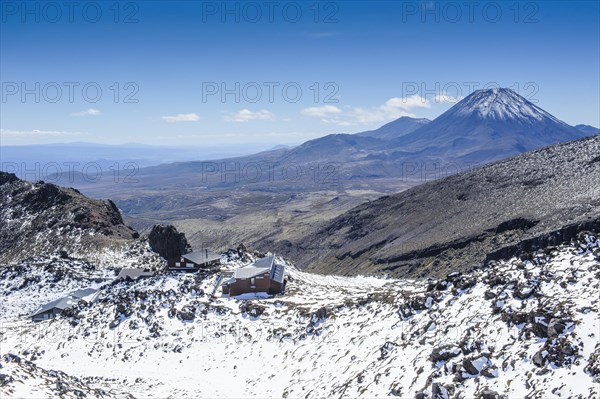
[457, 223]
[519, 328]
[397, 128]
[287, 193]
[37, 218]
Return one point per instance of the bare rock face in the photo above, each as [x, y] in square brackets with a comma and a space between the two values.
[168, 242]
[38, 218]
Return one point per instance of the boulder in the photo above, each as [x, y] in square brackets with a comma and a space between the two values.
[555, 328]
[474, 366]
[439, 391]
[523, 291]
[322, 313]
[444, 353]
[185, 315]
[168, 242]
[489, 394]
[470, 367]
[539, 324]
[489, 295]
[539, 359]
[252, 309]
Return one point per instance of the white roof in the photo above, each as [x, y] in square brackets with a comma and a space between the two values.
[250, 271]
[261, 266]
[201, 257]
[134, 273]
[267, 262]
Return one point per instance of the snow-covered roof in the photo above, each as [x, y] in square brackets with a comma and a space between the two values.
[267, 262]
[134, 273]
[250, 271]
[200, 257]
[261, 266]
[85, 294]
[61, 304]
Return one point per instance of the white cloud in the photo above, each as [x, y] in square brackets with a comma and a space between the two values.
[39, 133]
[181, 118]
[321, 112]
[393, 108]
[87, 112]
[246, 115]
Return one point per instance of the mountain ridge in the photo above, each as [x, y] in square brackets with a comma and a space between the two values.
[39, 217]
[462, 220]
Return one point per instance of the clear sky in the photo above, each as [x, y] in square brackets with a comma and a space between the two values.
[276, 72]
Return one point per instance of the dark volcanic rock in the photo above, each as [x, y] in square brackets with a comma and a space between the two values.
[444, 353]
[252, 309]
[168, 242]
[185, 315]
[539, 324]
[539, 359]
[439, 391]
[489, 394]
[593, 365]
[555, 328]
[58, 220]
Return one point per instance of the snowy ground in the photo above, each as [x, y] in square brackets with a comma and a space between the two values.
[517, 328]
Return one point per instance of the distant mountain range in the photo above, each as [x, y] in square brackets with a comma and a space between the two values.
[108, 157]
[524, 203]
[486, 126]
[587, 129]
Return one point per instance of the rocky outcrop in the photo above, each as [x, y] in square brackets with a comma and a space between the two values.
[39, 218]
[168, 242]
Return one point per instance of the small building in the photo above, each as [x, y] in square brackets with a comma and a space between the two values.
[261, 276]
[194, 261]
[134, 274]
[54, 308]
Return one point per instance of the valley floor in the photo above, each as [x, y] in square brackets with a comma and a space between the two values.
[520, 328]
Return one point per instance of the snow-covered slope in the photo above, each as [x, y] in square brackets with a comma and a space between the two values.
[504, 104]
[522, 327]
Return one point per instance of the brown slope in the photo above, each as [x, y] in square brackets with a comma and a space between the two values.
[457, 223]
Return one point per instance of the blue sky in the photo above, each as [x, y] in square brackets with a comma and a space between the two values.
[162, 68]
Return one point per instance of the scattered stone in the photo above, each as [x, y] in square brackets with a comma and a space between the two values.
[539, 359]
[444, 353]
[555, 328]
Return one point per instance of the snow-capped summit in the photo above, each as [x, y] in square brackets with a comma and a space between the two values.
[491, 123]
[502, 103]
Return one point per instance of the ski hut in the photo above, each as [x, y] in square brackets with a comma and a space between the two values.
[195, 260]
[54, 308]
[261, 276]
